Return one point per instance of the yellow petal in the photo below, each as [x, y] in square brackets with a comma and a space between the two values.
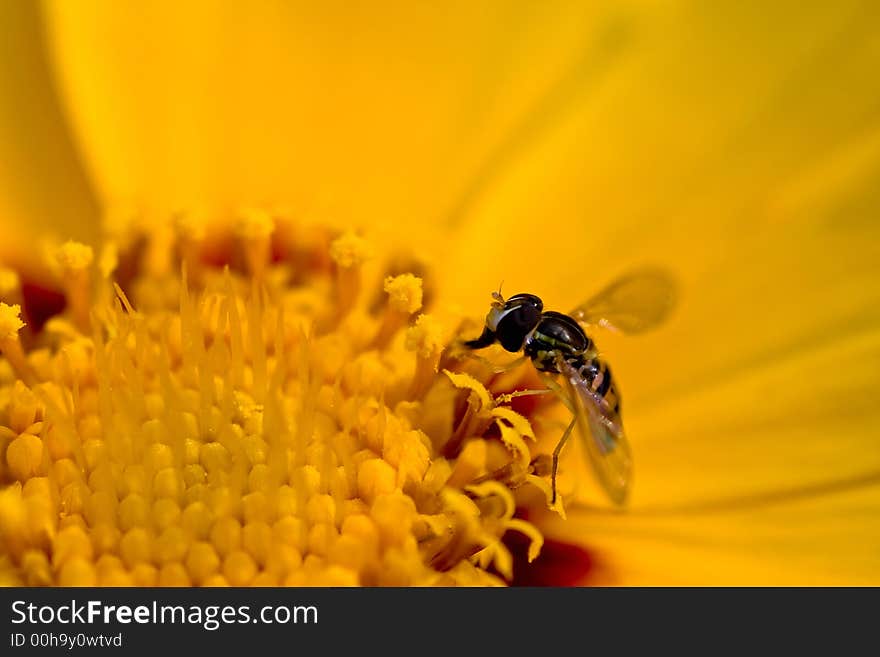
[690, 150]
[826, 537]
[793, 423]
[383, 114]
[42, 185]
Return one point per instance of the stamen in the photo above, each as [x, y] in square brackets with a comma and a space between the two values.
[477, 416]
[425, 338]
[108, 260]
[10, 286]
[255, 227]
[74, 260]
[470, 464]
[10, 345]
[404, 299]
[191, 227]
[349, 252]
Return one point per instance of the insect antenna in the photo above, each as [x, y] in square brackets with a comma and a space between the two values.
[497, 299]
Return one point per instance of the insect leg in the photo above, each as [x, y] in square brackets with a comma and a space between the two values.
[554, 386]
[556, 452]
[563, 396]
[507, 397]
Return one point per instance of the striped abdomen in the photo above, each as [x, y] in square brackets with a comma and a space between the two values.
[597, 375]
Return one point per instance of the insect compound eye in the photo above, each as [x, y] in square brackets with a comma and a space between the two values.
[521, 314]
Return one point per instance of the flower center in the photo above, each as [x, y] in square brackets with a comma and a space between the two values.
[242, 414]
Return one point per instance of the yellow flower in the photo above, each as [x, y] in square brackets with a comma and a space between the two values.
[250, 431]
[552, 147]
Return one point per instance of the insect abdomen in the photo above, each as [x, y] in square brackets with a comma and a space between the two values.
[598, 376]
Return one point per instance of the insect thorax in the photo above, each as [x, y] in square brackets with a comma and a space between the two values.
[556, 336]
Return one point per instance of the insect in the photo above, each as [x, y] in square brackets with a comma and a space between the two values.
[569, 363]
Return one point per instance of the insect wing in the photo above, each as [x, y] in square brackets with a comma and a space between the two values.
[635, 302]
[602, 436]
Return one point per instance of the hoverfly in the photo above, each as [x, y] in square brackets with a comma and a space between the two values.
[558, 345]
